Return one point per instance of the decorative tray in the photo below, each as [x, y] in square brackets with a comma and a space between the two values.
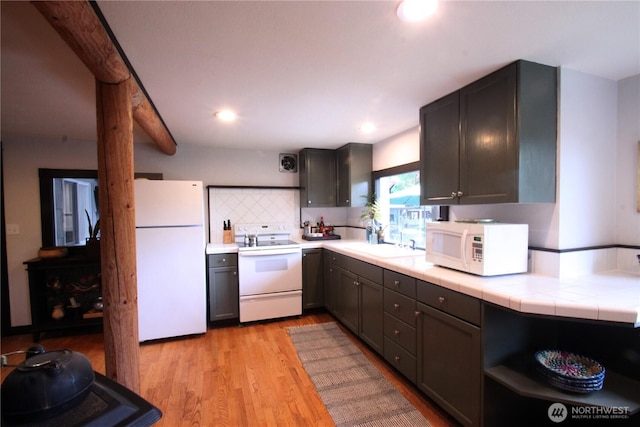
[569, 371]
[329, 237]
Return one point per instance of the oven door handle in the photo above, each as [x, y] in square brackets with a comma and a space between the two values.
[269, 252]
[249, 298]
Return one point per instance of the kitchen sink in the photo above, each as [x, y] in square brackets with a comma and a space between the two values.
[383, 250]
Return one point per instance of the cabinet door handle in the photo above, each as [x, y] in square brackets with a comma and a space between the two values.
[397, 358]
[235, 273]
[396, 282]
[453, 194]
[416, 313]
[396, 306]
[223, 260]
[460, 194]
[441, 300]
[309, 201]
[396, 332]
[347, 200]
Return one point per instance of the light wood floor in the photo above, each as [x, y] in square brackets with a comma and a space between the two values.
[231, 376]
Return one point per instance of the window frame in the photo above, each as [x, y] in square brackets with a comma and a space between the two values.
[443, 211]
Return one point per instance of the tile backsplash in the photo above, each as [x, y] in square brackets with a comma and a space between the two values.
[252, 205]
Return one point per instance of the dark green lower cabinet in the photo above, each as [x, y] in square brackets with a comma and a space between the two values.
[224, 290]
[359, 306]
[428, 333]
[330, 283]
[449, 363]
[347, 300]
[312, 283]
[371, 313]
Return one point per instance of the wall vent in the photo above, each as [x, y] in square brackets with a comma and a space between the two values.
[288, 163]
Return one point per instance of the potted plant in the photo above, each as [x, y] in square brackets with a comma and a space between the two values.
[93, 242]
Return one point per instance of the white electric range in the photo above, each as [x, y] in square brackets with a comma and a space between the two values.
[269, 271]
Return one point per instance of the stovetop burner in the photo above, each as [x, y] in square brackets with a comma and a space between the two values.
[269, 243]
[264, 236]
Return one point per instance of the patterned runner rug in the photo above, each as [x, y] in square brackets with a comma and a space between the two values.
[352, 389]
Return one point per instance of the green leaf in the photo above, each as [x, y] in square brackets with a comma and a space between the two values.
[93, 231]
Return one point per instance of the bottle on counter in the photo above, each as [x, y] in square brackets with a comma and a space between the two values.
[321, 228]
[371, 232]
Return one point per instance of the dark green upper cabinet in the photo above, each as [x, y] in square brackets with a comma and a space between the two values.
[354, 164]
[317, 176]
[440, 150]
[493, 141]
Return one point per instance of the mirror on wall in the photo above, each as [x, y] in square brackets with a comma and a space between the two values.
[68, 201]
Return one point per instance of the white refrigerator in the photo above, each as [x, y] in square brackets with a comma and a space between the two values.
[170, 253]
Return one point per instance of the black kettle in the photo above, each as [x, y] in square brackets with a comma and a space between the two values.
[45, 383]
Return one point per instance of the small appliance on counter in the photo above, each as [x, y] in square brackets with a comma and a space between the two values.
[479, 246]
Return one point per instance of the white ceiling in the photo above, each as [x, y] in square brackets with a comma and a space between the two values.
[299, 73]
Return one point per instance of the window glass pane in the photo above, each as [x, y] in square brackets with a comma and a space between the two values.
[401, 216]
[74, 199]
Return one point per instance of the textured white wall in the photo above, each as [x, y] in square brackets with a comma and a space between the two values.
[587, 159]
[627, 186]
[397, 150]
[22, 158]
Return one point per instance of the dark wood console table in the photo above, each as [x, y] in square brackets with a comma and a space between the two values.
[63, 292]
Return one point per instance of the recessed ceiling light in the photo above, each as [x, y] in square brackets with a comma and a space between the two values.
[225, 115]
[416, 10]
[368, 127]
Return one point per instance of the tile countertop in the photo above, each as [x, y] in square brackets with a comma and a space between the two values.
[609, 296]
[220, 248]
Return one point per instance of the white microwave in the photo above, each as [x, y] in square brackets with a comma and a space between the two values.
[477, 247]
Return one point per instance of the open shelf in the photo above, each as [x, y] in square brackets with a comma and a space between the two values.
[618, 390]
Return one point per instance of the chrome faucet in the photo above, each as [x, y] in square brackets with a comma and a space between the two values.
[397, 227]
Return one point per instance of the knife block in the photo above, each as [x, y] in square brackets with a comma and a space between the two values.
[227, 237]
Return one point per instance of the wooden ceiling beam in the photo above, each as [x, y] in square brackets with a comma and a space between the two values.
[81, 28]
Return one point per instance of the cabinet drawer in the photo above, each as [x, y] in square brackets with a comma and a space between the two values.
[400, 306]
[364, 269]
[401, 359]
[359, 268]
[460, 305]
[222, 260]
[404, 284]
[400, 333]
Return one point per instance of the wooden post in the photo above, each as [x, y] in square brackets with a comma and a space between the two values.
[117, 241]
